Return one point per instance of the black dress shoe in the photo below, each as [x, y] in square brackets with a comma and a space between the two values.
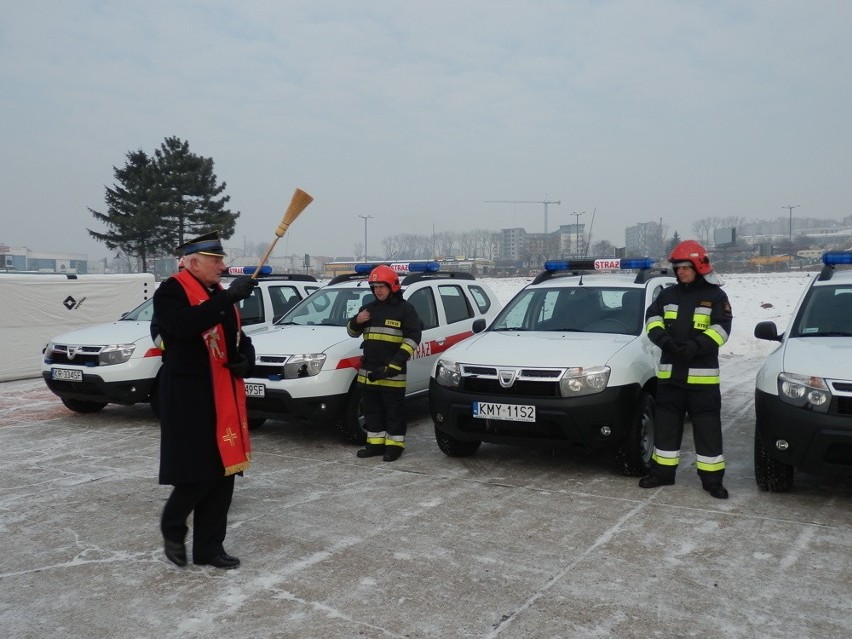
[392, 453]
[717, 490]
[653, 481]
[224, 561]
[175, 552]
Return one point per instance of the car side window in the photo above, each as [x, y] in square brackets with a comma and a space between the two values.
[423, 301]
[454, 301]
[283, 299]
[483, 302]
[251, 309]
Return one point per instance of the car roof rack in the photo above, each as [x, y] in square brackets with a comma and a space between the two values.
[346, 277]
[432, 275]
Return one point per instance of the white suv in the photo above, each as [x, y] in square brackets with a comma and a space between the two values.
[803, 391]
[306, 364]
[566, 362]
[118, 363]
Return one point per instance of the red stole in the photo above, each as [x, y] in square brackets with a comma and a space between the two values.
[229, 395]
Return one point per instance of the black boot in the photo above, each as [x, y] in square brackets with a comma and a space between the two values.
[392, 453]
[653, 481]
[716, 490]
[371, 450]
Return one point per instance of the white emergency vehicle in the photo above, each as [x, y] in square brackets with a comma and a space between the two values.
[567, 362]
[803, 391]
[118, 363]
[306, 364]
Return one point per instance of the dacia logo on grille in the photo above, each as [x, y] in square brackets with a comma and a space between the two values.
[72, 352]
[507, 377]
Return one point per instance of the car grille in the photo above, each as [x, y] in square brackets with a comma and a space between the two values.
[511, 381]
[82, 355]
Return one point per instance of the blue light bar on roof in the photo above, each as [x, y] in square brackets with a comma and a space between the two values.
[249, 270]
[423, 267]
[599, 264]
[831, 258]
[400, 267]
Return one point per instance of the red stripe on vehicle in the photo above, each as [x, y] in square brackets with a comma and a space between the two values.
[350, 362]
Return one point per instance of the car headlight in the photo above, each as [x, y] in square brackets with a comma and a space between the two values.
[804, 391]
[115, 354]
[304, 365]
[447, 374]
[584, 381]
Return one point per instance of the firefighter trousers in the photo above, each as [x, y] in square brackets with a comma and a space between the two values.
[703, 404]
[384, 414]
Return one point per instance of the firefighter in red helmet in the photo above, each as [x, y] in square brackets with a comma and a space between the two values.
[391, 332]
[689, 322]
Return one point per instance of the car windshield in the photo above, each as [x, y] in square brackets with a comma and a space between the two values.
[328, 307]
[142, 313]
[826, 312]
[584, 309]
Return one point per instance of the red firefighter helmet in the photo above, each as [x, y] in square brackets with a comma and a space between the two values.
[385, 275]
[692, 252]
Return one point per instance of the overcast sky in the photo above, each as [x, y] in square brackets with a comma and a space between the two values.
[417, 112]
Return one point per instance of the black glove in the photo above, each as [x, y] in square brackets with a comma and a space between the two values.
[241, 366]
[670, 345]
[240, 288]
[382, 373]
[379, 373]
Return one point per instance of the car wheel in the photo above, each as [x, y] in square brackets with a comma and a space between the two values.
[82, 406]
[256, 422]
[453, 447]
[351, 421]
[633, 455]
[770, 474]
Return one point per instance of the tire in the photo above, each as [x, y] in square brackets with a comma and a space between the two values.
[633, 455]
[770, 474]
[82, 406]
[350, 423]
[254, 423]
[453, 447]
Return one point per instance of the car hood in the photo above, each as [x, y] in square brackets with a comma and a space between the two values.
[121, 332]
[823, 356]
[288, 339]
[512, 348]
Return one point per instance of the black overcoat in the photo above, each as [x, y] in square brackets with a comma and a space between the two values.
[188, 450]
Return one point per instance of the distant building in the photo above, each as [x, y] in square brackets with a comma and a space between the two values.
[23, 259]
[645, 239]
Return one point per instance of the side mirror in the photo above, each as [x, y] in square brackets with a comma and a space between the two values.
[767, 330]
[478, 325]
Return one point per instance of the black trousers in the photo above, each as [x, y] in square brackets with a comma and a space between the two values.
[384, 412]
[209, 502]
[703, 404]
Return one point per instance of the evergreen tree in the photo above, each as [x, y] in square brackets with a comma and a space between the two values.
[132, 209]
[160, 202]
[192, 205]
[672, 243]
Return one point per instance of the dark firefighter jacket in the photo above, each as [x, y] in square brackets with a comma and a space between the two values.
[390, 338]
[689, 322]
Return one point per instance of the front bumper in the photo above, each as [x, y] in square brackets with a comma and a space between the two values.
[279, 404]
[93, 388]
[817, 442]
[559, 421]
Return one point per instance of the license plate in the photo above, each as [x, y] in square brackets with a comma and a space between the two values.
[66, 374]
[506, 412]
[255, 390]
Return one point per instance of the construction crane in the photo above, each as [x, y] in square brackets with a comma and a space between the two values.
[545, 201]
